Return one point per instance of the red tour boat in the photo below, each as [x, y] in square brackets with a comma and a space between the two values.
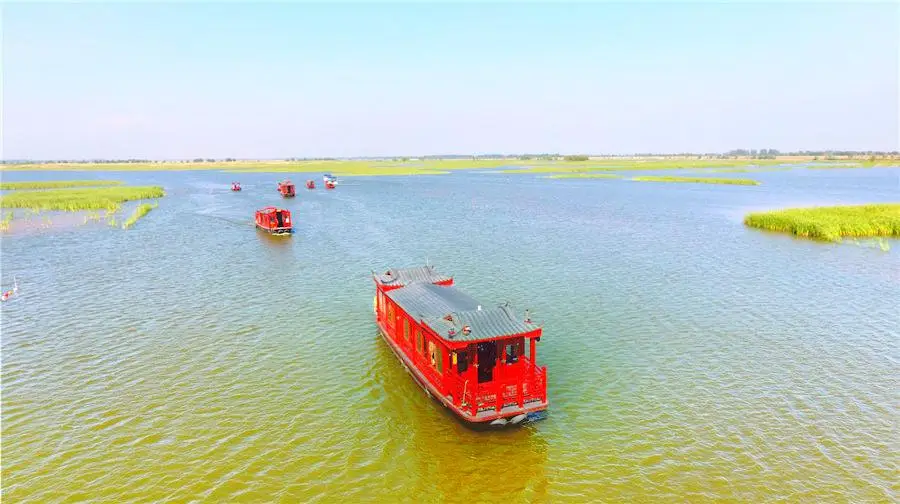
[471, 358]
[310, 184]
[235, 186]
[274, 220]
[286, 189]
[329, 184]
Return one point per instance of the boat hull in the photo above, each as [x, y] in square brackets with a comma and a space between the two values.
[278, 231]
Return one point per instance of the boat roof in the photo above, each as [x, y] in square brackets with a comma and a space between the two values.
[270, 209]
[405, 276]
[443, 308]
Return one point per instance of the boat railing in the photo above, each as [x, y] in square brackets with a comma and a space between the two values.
[520, 389]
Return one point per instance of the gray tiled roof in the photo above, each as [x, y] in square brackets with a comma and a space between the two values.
[406, 276]
[431, 303]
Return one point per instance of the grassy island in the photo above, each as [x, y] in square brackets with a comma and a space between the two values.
[585, 176]
[56, 184]
[698, 180]
[73, 200]
[832, 223]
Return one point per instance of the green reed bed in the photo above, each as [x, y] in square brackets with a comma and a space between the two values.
[7, 220]
[697, 180]
[832, 223]
[142, 210]
[645, 165]
[56, 184]
[875, 163]
[585, 176]
[73, 200]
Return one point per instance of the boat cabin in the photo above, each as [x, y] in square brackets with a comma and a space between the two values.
[274, 220]
[235, 186]
[286, 189]
[310, 184]
[477, 359]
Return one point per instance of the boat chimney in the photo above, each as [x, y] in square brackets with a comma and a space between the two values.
[527, 316]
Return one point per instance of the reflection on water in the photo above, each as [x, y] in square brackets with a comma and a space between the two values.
[193, 357]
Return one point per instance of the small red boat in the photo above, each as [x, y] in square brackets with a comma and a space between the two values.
[310, 184]
[286, 189]
[274, 220]
[235, 186]
[478, 361]
[329, 184]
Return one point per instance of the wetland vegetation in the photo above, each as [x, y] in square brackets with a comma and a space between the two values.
[585, 176]
[698, 180]
[141, 210]
[56, 184]
[832, 223]
[73, 200]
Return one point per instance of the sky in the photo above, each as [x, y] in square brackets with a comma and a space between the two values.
[274, 80]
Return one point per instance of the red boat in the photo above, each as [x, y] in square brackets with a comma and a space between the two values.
[310, 184]
[286, 189]
[235, 186]
[329, 184]
[274, 220]
[471, 358]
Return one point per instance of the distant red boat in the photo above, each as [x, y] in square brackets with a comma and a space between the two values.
[329, 184]
[235, 186]
[286, 189]
[479, 362]
[310, 184]
[274, 220]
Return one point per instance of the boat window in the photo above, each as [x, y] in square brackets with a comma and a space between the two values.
[462, 361]
[511, 353]
[406, 329]
[419, 343]
[434, 353]
[514, 351]
[391, 313]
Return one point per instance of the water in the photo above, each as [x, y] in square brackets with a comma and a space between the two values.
[690, 358]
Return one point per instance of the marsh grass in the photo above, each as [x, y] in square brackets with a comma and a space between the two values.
[869, 163]
[585, 176]
[698, 180]
[337, 167]
[648, 165]
[832, 223]
[746, 170]
[141, 210]
[73, 200]
[56, 184]
[7, 220]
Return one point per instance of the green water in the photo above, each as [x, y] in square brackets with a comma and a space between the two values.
[689, 358]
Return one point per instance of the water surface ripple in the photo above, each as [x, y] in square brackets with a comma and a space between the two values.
[690, 358]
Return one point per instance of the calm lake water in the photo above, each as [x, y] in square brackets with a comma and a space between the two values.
[191, 358]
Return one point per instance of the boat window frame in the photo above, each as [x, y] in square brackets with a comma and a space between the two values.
[420, 341]
[435, 356]
[406, 329]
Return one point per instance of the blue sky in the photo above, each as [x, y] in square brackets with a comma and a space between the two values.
[168, 80]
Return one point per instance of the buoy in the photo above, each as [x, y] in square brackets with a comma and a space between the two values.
[518, 418]
[499, 421]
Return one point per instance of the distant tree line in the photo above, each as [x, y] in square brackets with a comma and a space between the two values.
[750, 153]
